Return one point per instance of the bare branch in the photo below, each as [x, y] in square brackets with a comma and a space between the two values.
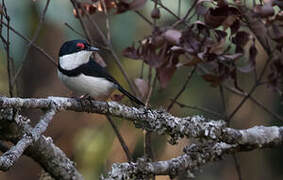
[51, 59]
[195, 157]
[151, 120]
[120, 138]
[38, 28]
[9, 157]
[43, 151]
[157, 121]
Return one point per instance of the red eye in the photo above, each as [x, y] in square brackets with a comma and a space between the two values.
[80, 45]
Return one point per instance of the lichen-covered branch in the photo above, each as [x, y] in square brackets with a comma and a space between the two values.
[9, 157]
[224, 140]
[194, 157]
[158, 121]
[16, 128]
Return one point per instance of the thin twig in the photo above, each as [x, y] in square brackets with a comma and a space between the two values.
[84, 27]
[75, 31]
[256, 84]
[186, 15]
[147, 134]
[144, 18]
[257, 102]
[182, 89]
[35, 36]
[9, 70]
[151, 88]
[51, 59]
[120, 138]
[12, 155]
[179, 8]
[168, 10]
[223, 101]
[236, 163]
[237, 166]
[201, 109]
[107, 21]
[6, 42]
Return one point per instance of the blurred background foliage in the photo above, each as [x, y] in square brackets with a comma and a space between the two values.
[88, 139]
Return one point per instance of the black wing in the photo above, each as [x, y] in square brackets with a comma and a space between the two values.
[94, 69]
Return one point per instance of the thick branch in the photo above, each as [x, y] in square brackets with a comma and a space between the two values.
[194, 157]
[157, 121]
[8, 158]
[13, 127]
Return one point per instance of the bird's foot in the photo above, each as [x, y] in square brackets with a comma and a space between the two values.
[86, 102]
[117, 97]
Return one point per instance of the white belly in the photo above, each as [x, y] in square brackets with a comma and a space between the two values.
[98, 88]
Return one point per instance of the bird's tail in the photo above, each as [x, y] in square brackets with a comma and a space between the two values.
[130, 96]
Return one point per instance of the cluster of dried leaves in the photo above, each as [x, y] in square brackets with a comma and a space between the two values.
[218, 42]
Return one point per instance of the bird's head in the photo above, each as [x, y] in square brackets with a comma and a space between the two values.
[74, 53]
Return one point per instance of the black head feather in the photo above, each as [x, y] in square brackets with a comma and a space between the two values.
[73, 46]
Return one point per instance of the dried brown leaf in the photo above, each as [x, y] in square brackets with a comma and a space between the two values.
[235, 26]
[240, 40]
[99, 60]
[253, 53]
[142, 86]
[167, 70]
[212, 79]
[230, 57]
[264, 11]
[218, 48]
[155, 13]
[215, 17]
[131, 52]
[173, 36]
[200, 7]
[122, 7]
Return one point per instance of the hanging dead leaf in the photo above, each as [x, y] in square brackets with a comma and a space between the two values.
[122, 7]
[276, 32]
[200, 7]
[235, 26]
[215, 17]
[240, 40]
[253, 53]
[230, 57]
[131, 52]
[99, 60]
[142, 86]
[193, 62]
[264, 11]
[173, 36]
[212, 79]
[155, 13]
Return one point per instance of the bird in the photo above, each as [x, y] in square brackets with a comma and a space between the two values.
[80, 73]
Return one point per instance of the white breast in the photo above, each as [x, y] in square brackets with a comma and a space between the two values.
[72, 61]
[98, 88]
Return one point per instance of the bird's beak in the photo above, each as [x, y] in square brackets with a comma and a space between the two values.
[91, 48]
